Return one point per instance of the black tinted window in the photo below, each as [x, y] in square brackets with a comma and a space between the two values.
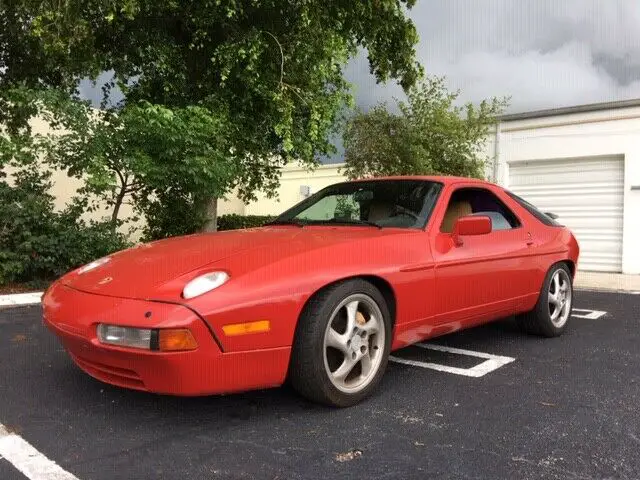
[546, 219]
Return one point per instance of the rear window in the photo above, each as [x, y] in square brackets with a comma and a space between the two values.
[546, 219]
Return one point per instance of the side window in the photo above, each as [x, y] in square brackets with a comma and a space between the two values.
[533, 210]
[478, 201]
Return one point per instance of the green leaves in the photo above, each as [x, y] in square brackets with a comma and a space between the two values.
[127, 155]
[432, 135]
[38, 243]
[219, 94]
[275, 66]
[234, 221]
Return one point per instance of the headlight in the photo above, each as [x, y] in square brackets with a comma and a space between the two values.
[124, 336]
[204, 283]
[163, 340]
[92, 265]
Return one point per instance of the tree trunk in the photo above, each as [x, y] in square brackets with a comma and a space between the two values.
[117, 205]
[212, 216]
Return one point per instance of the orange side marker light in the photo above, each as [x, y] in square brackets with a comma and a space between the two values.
[246, 328]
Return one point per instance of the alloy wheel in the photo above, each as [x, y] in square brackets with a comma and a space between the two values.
[560, 298]
[354, 343]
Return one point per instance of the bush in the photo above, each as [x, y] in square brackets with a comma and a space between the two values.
[234, 222]
[37, 243]
[171, 214]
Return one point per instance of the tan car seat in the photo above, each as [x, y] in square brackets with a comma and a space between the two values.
[455, 210]
[379, 211]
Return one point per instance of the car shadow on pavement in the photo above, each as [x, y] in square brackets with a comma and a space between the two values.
[48, 379]
[243, 406]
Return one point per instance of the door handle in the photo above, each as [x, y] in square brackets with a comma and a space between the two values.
[529, 239]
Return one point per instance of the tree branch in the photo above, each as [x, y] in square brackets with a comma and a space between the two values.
[281, 55]
[281, 82]
[122, 180]
[295, 90]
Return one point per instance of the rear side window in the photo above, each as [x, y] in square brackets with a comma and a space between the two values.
[546, 219]
[478, 201]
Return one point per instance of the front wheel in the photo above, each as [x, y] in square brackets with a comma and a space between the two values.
[342, 344]
[551, 314]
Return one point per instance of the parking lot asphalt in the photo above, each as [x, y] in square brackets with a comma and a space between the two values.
[565, 408]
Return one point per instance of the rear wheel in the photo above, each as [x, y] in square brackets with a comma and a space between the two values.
[551, 315]
[342, 344]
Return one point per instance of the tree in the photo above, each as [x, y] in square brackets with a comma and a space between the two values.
[142, 152]
[274, 66]
[38, 241]
[137, 154]
[430, 135]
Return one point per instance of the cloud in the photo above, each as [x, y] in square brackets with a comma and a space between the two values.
[541, 53]
[563, 77]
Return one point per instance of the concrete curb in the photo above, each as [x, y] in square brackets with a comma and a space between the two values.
[19, 299]
[605, 290]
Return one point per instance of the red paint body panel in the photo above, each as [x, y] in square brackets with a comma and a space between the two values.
[438, 288]
[74, 315]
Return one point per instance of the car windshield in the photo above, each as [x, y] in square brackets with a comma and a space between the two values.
[377, 203]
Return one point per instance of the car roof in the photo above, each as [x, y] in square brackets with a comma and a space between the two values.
[446, 179]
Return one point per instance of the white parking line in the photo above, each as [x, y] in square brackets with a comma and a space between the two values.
[29, 461]
[14, 299]
[492, 362]
[588, 314]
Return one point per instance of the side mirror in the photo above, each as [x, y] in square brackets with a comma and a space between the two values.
[470, 225]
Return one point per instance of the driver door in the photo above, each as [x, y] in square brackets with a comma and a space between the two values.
[487, 275]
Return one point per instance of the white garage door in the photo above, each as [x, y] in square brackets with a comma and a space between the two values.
[587, 194]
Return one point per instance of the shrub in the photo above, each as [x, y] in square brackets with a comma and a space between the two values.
[37, 243]
[170, 214]
[234, 221]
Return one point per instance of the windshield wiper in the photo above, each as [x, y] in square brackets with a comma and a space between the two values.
[297, 223]
[334, 221]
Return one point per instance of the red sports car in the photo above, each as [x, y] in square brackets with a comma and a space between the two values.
[319, 296]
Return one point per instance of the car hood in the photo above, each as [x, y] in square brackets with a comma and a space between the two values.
[160, 269]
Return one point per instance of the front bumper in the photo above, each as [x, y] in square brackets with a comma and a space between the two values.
[73, 316]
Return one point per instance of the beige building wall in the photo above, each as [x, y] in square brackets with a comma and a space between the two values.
[64, 189]
[295, 181]
[231, 205]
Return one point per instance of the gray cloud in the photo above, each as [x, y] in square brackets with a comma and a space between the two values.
[541, 53]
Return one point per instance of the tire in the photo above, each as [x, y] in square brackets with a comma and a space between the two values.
[359, 331]
[541, 321]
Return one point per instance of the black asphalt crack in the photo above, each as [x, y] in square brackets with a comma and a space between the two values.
[565, 408]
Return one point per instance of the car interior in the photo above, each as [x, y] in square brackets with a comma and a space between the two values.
[396, 207]
[478, 201]
[379, 210]
[455, 210]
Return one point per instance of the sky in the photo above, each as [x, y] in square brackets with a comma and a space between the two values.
[541, 53]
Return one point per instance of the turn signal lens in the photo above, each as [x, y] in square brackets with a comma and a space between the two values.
[176, 340]
[246, 328]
